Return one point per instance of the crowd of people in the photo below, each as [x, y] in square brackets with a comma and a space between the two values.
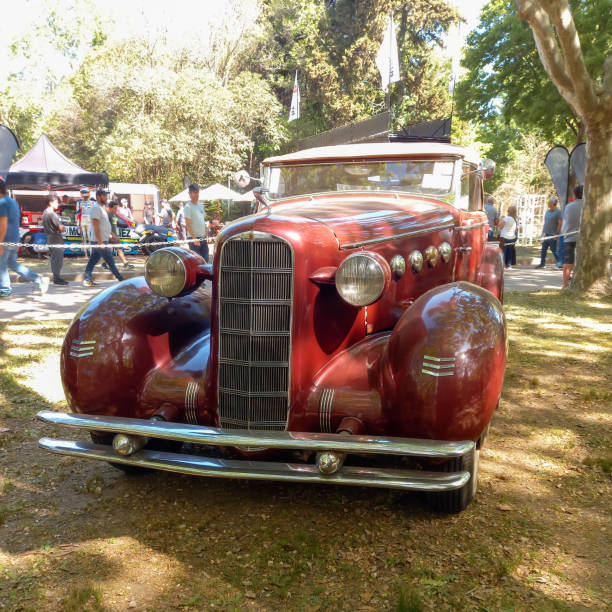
[97, 223]
[560, 232]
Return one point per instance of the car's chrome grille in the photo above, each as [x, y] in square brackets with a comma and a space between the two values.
[255, 303]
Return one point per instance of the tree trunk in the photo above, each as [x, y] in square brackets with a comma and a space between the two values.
[592, 268]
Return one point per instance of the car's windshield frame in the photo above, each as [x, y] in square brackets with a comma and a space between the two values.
[446, 195]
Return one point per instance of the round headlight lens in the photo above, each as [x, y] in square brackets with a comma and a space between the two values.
[165, 273]
[360, 279]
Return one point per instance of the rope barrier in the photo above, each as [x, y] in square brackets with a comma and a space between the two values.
[543, 238]
[110, 245]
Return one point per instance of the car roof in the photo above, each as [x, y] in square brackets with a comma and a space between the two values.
[376, 150]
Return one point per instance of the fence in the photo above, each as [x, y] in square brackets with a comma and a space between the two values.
[530, 209]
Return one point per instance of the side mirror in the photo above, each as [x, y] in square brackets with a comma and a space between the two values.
[488, 169]
[242, 178]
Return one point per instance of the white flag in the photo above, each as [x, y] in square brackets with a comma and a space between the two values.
[294, 112]
[387, 59]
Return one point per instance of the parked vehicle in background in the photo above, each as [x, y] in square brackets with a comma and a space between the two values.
[354, 334]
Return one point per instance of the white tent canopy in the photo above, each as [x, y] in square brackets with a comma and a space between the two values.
[214, 192]
[245, 197]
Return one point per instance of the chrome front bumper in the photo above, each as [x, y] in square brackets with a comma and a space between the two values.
[263, 470]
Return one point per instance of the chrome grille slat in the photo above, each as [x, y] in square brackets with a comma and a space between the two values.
[255, 312]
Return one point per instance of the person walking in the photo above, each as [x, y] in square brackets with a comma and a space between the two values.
[180, 222]
[571, 228]
[54, 230]
[195, 223]
[111, 209]
[553, 219]
[82, 215]
[100, 235]
[167, 215]
[492, 216]
[9, 232]
[508, 232]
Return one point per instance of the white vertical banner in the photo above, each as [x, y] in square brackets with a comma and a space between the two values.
[387, 59]
[454, 46]
[294, 111]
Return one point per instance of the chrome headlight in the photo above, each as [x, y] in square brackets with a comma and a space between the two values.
[165, 273]
[361, 278]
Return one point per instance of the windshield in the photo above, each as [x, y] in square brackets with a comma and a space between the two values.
[429, 178]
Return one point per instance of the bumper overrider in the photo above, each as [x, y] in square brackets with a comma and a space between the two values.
[132, 434]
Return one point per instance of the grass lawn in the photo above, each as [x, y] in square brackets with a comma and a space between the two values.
[78, 535]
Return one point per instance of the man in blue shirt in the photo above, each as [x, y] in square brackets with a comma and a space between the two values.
[492, 216]
[552, 226]
[9, 232]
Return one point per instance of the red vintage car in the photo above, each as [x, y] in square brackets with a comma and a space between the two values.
[354, 334]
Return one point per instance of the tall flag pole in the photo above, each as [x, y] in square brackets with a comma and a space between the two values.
[387, 61]
[294, 111]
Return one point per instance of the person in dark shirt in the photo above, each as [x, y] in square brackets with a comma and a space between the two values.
[53, 228]
[552, 226]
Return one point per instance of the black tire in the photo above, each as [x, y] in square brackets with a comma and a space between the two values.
[135, 470]
[144, 243]
[452, 502]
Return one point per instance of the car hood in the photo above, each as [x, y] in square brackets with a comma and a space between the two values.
[361, 219]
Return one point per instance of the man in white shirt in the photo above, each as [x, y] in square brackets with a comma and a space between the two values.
[195, 223]
[100, 234]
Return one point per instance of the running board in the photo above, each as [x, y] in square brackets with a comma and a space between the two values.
[407, 480]
[240, 438]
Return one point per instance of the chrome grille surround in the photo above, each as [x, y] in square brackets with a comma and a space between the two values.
[255, 308]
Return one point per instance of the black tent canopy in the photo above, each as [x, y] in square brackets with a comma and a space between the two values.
[44, 167]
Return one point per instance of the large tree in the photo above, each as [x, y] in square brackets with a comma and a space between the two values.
[505, 90]
[560, 50]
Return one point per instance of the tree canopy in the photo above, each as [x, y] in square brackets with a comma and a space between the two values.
[506, 84]
[152, 101]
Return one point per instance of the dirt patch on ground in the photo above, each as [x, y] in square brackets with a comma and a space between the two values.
[78, 535]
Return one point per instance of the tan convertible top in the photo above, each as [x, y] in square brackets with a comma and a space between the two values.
[376, 150]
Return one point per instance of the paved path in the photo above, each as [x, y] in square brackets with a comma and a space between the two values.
[527, 278]
[63, 302]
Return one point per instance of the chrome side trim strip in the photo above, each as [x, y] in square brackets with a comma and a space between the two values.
[409, 480]
[199, 434]
[325, 410]
[425, 230]
[191, 393]
[472, 226]
[438, 366]
[437, 374]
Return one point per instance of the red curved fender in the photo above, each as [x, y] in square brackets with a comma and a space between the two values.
[119, 337]
[437, 375]
[443, 369]
[491, 271]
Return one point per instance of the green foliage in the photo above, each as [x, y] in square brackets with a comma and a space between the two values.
[505, 85]
[152, 105]
[334, 48]
[141, 118]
